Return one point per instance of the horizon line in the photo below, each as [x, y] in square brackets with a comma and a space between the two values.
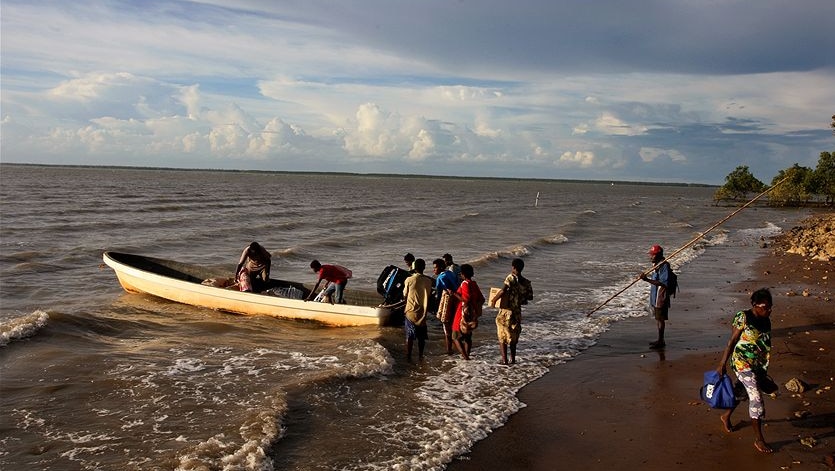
[357, 174]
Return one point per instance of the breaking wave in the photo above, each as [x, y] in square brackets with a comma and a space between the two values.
[22, 327]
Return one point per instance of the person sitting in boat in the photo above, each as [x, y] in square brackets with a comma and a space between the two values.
[335, 276]
[253, 272]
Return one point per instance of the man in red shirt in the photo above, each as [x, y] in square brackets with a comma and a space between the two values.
[335, 276]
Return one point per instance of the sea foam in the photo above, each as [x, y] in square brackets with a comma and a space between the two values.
[22, 327]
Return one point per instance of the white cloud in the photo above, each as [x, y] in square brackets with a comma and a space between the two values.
[483, 129]
[650, 154]
[252, 83]
[581, 128]
[118, 94]
[468, 94]
[608, 123]
[582, 159]
[190, 97]
[375, 133]
[423, 147]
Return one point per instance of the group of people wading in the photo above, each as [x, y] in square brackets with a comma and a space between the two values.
[455, 298]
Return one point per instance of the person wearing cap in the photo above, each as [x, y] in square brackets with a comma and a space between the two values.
[659, 302]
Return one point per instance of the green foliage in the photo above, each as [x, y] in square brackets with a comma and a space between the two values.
[801, 184]
[738, 184]
[824, 175]
[797, 190]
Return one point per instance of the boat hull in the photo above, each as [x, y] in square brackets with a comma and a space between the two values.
[181, 283]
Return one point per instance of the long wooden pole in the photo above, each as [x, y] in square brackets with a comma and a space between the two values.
[680, 249]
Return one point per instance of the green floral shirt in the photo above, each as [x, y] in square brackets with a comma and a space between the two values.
[753, 349]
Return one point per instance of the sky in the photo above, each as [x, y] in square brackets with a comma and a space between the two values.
[678, 91]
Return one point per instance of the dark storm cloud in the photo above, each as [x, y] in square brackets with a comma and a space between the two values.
[694, 37]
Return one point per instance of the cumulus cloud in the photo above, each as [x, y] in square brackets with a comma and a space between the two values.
[650, 154]
[375, 134]
[423, 146]
[421, 86]
[583, 159]
[608, 123]
[483, 128]
[117, 94]
[380, 134]
[581, 128]
[468, 94]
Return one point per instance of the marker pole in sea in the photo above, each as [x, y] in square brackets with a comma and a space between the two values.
[701, 234]
[536, 203]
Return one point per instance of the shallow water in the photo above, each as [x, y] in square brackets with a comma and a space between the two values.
[92, 377]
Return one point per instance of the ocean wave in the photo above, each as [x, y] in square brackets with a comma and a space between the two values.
[247, 451]
[22, 327]
[261, 429]
[756, 234]
[371, 359]
[490, 257]
[469, 399]
[555, 239]
[682, 225]
[516, 251]
[21, 257]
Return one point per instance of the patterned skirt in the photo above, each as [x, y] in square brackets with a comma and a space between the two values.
[508, 326]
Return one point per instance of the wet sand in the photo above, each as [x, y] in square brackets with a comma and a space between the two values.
[620, 405]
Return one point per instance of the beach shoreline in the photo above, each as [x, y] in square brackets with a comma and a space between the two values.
[620, 405]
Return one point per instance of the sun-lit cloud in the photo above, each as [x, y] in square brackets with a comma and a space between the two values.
[578, 158]
[608, 123]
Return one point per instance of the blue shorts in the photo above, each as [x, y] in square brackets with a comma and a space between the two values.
[413, 331]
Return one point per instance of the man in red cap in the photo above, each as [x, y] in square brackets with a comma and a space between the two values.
[659, 301]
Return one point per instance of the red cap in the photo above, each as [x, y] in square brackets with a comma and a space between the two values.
[655, 250]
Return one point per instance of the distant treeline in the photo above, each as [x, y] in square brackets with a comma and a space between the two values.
[375, 175]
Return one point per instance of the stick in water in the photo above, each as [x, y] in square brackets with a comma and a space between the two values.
[702, 234]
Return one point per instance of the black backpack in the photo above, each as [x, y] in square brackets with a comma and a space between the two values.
[672, 281]
[526, 288]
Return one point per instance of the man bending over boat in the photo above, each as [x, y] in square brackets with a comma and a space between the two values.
[335, 276]
[254, 263]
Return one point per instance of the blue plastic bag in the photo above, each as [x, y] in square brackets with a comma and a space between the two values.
[718, 390]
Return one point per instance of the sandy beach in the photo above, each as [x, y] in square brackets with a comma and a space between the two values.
[620, 405]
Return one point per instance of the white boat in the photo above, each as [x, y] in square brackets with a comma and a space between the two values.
[188, 284]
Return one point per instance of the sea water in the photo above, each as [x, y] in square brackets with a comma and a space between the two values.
[92, 377]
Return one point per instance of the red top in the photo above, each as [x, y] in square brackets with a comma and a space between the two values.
[468, 290]
[334, 274]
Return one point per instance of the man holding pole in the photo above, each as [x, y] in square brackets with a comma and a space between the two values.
[659, 301]
[653, 292]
